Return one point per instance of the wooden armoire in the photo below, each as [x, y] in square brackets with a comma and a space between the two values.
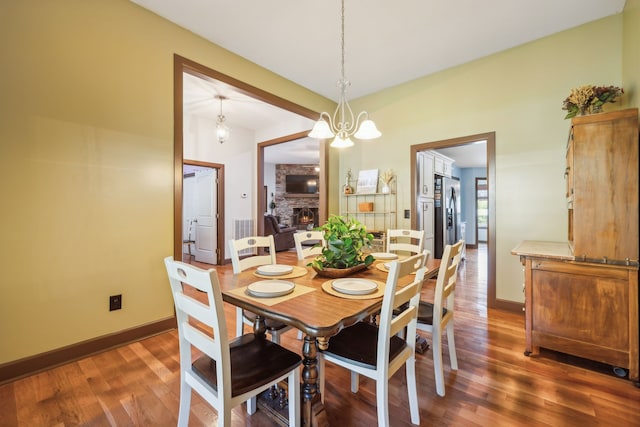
[581, 296]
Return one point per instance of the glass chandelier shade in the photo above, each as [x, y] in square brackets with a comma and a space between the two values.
[343, 124]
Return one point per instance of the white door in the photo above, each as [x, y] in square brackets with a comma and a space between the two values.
[205, 216]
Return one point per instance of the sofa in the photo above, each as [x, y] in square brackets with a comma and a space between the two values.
[282, 235]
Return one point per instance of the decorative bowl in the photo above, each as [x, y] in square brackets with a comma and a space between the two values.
[334, 273]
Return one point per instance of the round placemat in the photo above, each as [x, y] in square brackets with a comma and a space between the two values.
[297, 272]
[380, 266]
[326, 286]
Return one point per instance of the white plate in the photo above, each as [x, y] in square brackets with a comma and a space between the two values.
[354, 286]
[270, 288]
[274, 269]
[384, 255]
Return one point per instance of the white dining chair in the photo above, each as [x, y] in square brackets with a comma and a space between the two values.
[405, 240]
[264, 251]
[443, 303]
[378, 352]
[317, 240]
[225, 373]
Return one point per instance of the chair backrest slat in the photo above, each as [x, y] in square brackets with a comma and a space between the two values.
[195, 309]
[202, 341]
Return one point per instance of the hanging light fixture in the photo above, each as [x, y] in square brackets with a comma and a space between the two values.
[222, 130]
[343, 124]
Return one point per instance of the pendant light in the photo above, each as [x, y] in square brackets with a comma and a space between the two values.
[222, 130]
[343, 124]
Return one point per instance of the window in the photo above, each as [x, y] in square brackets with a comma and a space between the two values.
[482, 208]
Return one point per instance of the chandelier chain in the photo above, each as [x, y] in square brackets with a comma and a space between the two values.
[344, 124]
[342, 42]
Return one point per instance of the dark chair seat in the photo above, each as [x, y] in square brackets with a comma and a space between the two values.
[255, 361]
[359, 343]
[425, 313]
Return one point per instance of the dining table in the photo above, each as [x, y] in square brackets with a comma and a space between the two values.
[313, 307]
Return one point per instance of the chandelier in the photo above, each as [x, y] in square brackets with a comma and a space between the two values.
[343, 124]
[222, 130]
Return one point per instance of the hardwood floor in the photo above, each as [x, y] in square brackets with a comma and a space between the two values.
[496, 385]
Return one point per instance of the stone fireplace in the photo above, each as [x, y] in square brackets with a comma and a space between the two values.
[288, 206]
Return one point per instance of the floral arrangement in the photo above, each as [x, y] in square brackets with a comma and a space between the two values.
[346, 238]
[387, 176]
[588, 99]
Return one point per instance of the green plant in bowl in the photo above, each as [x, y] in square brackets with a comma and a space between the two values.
[346, 239]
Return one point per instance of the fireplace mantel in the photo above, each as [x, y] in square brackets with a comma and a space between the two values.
[301, 196]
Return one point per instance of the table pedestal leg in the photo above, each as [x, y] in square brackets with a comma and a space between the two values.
[260, 326]
[313, 413]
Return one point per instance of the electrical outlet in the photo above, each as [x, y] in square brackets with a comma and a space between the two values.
[115, 302]
[407, 213]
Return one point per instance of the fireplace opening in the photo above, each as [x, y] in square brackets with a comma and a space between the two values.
[305, 218]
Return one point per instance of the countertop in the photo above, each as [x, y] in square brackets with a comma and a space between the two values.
[538, 248]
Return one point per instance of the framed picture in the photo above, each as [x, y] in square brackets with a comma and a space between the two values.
[367, 181]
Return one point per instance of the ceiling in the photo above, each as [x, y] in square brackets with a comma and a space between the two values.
[386, 43]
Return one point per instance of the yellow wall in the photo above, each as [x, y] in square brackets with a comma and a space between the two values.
[86, 152]
[631, 53]
[518, 94]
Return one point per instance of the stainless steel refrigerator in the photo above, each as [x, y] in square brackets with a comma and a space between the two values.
[446, 204]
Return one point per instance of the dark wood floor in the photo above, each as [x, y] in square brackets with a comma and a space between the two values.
[496, 385]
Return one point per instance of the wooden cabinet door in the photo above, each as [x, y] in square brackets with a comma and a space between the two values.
[605, 185]
[426, 175]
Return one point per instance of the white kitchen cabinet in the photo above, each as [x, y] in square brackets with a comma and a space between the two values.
[442, 165]
[425, 175]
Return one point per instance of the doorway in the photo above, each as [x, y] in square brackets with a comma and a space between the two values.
[182, 65]
[290, 140]
[492, 302]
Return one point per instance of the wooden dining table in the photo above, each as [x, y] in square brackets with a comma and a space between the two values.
[313, 310]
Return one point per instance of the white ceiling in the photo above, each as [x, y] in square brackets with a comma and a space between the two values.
[386, 43]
